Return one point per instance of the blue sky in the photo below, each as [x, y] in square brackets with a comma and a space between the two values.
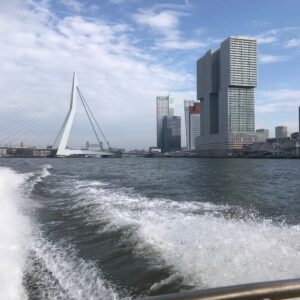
[126, 52]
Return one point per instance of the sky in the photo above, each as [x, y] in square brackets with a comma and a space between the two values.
[127, 52]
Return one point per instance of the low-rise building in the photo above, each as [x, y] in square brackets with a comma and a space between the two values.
[3, 151]
[274, 147]
[41, 152]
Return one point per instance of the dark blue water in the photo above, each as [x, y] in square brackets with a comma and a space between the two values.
[105, 228]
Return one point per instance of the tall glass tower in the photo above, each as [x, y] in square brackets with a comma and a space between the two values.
[164, 108]
[226, 79]
[171, 134]
[192, 122]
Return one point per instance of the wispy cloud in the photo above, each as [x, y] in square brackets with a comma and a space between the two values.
[268, 58]
[165, 24]
[117, 2]
[39, 55]
[163, 21]
[279, 100]
[267, 37]
[277, 35]
[257, 23]
[292, 43]
[73, 5]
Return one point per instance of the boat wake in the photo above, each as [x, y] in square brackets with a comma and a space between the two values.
[209, 245]
[181, 244]
[32, 267]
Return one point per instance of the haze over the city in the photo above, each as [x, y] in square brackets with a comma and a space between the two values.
[127, 52]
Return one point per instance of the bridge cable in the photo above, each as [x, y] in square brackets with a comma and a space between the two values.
[82, 98]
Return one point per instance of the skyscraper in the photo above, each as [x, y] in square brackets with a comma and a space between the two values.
[164, 107]
[226, 79]
[171, 134]
[192, 122]
[281, 132]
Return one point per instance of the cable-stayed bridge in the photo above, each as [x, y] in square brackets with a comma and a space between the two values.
[18, 125]
[63, 150]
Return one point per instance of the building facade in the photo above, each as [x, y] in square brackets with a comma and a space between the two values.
[281, 132]
[3, 151]
[299, 118]
[171, 134]
[275, 147]
[264, 134]
[226, 79]
[192, 122]
[164, 107]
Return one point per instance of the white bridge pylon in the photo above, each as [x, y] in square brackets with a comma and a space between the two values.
[63, 150]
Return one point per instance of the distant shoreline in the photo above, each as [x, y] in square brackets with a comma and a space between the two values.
[167, 157]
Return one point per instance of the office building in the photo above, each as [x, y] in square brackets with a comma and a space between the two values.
[164, 107]
[226, 79]
[281, 132]
[299, 118]
[263, 134]
[192, 122]
[171, 134]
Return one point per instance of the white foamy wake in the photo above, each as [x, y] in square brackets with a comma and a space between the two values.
[27, 259]
[202, 244]
[34, 178]
[73, 277]
[42, 173]
[14, 232]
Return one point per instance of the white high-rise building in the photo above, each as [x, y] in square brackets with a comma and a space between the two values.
[192, 122]
[164, 108]
[226, 79]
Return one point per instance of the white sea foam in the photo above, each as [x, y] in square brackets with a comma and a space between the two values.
[202, 244]
[57, 269]
[74, 277]
[44, 172]
[33, 178]
[14, 232]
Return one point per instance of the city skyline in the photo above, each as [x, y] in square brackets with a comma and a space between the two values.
[126, 59]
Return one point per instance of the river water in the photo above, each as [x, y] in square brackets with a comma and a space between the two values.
[131, 227]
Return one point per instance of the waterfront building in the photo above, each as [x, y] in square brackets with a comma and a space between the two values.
[41, 152]
[164, 107]
[295, 135]
[3, 151]
[263, 134]
[275, 147]
[226, 79]
[281, 132]
[299, 118]
[171, 134]
[192, 122]
[154, 150]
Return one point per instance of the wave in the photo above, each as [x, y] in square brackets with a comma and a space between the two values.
[14, 236]
[30, 265]
[33, 178]
[209, 245]
[55, 272]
